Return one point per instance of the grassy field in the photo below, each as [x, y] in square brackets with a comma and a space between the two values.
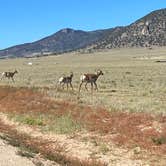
[97, 125]
[133, 81]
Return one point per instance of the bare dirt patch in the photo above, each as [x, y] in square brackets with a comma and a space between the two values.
[8, 156]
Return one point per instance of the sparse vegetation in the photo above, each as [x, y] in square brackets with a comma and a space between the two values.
[103, 148]
[37, 145]
[130, 80]
[29, 120]
[63, 125]
[128, 109]
[159, 141]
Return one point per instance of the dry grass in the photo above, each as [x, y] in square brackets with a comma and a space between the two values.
[132, 80]
[129, 108]
[130, 129]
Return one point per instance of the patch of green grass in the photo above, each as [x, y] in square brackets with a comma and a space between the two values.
[103, 148]
[63, 125]
[33, 121]
[28, 119]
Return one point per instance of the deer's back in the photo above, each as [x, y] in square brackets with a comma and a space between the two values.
[88, 77]
[8, 74]
[65, 79]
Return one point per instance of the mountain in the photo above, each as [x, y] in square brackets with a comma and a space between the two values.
[62, 41]
[147, 31]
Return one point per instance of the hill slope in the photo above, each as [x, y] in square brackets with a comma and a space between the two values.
[62, 41]
[147, 31]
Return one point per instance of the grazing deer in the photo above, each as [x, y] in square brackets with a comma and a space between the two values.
[8, 75]
[66, 80]
[90, 78]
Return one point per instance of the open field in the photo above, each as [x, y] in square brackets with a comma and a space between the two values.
[124, 123]
[132, 80]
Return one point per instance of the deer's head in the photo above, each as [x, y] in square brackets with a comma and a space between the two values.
[99, 72]
[71, 74]
[15, 71]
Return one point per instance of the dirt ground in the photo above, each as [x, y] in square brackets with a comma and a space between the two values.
[133, 132]
[117, 156]
[8, 156]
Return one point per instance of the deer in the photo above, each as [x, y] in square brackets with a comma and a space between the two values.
[66, 80]
[90, 78]
[8, 75]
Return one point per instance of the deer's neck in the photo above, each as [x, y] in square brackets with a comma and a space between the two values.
[97, 75]
[71, 76]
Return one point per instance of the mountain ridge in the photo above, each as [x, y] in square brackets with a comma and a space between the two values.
[64, 40]
[144, 32]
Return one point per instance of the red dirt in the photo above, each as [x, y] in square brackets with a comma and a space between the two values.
[129, 129]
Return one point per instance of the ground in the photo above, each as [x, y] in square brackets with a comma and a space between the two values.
[8, 156]
[122, 124]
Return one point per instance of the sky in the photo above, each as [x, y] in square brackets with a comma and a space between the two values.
[23, 21]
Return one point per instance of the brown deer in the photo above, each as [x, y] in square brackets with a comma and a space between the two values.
[66, 80]
[8, 75]
[90, 78]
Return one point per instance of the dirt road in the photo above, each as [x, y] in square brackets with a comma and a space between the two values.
[8, 156]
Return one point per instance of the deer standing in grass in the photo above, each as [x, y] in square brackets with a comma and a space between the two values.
[90, 78]
[66, 80]
[9, 75]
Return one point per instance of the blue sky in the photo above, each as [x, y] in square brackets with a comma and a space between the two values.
[23, 21]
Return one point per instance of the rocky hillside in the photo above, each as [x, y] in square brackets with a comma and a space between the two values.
[147, 31]
[62, 41]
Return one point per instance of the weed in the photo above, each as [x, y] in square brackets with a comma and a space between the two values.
[64, 125]
[29, 120]
[25, 153]
[103, 148]
[159, 141]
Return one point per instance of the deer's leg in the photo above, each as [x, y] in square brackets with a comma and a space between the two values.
[62, 85]
[2, 76]
[12, 79]
[86, 86]
[96, 88]
[67, 86]
[80, 86]
[71, 85]
[59, 84]
[91, 86]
